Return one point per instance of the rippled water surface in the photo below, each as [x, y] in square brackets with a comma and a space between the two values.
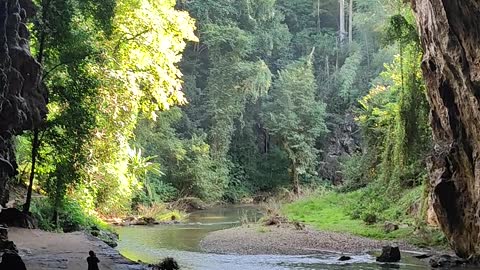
[150, 244]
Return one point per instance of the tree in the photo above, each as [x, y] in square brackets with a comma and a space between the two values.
[104, 64]
[350, 22]
[342, 32]
[295, 118]
[449, 36]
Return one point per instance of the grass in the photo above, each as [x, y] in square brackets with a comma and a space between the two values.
[329, 211]
[160, 212]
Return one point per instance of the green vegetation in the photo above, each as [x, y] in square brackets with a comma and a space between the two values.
[334, 211]
[154, 101]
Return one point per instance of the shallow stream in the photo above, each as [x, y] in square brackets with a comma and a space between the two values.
[152, 243]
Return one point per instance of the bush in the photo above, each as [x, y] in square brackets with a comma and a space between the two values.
[71, 217]
[358, 171]
[236, 191]
[369, 206]
[42, 211]
[155, 190]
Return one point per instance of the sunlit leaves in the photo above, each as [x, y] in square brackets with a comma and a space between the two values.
[147, 42]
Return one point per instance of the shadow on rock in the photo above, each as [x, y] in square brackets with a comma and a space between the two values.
[11, 260]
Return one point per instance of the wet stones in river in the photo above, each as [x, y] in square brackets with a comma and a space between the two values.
[344, 258]
[167, 264]
[108, 238]
[389, 254]
[446, 261]
[422, 256]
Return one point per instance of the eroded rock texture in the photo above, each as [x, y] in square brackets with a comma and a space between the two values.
[450, 36]
[343, 141]
[22, 101]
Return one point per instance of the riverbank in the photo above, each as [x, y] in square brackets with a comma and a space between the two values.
[340, 212]
[256, 239]
[41, 250]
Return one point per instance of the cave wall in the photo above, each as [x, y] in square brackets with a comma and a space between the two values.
[450, 36]
[22, 100]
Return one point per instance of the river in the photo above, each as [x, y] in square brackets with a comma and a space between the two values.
[152, 243]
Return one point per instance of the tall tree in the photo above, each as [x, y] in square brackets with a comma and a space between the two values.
[135, 46]
[350, 22]
[450, 36]
[342, 32]
[295, 118]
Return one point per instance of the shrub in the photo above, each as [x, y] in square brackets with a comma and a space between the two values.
[71, 216]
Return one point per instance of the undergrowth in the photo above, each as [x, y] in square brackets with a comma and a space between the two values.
[71, 217]
[160, 212]
[349, 212]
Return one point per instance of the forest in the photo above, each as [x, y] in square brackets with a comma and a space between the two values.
[321, 106]
[232, 100]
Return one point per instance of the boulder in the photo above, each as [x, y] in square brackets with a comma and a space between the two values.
[370, 219]
[11, 260]
[13, 217]
[108, 238]
[389, 227]
[3, 233]
[6, 245]
[167, 264]
[344, 258]
[275, 220]
[446, 261]
[389, 254]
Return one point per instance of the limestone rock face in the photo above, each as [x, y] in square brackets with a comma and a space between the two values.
[450, 36]
[343, 141]
[22, 100]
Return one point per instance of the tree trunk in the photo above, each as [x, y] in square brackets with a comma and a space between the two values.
[350, 22]
[36, 139]
[295, 179]
[35, 146]
[450, 36]
[342, 31]
[319, 28]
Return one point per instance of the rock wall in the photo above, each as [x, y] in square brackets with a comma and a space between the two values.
[342, 141]
[22, 100]
[450, 36]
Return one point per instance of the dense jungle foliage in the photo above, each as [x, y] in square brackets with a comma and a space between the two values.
[151, 101]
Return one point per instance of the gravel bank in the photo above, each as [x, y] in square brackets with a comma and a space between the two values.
[286, 240]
